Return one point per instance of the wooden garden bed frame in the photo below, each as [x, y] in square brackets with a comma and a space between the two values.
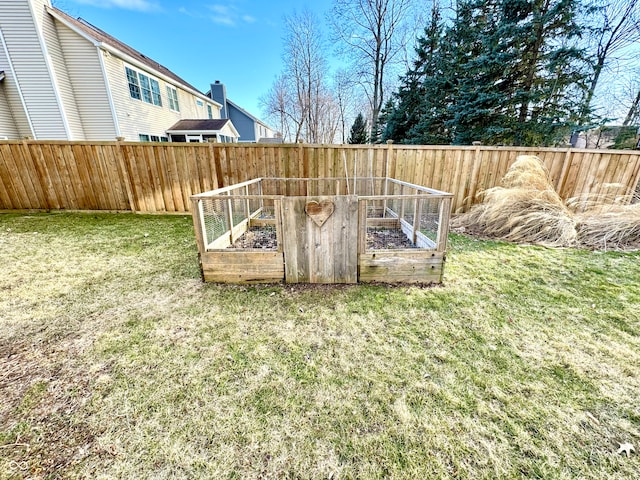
[398, 204]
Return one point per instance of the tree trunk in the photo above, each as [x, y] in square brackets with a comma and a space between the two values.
[633, 111]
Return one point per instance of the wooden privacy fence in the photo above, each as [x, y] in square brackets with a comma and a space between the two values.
[160, 177]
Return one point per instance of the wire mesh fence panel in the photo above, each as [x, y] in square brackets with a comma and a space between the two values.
[429, 221]
[415, 223]
[215, 218]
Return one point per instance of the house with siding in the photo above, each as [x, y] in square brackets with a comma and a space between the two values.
[62, 78]
[250, 128]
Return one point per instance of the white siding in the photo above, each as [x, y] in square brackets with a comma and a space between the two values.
[85, 76]
[8, 126]
[228, 131]
[30, 69]
[60, 75]
[136, 116]
[13, 119]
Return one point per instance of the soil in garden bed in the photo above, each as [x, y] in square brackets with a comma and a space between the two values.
[387, 239]
[257, 237]
[380, 239]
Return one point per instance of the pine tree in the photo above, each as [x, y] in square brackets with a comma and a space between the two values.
[417, 112]
[503, 72]
[358, 134]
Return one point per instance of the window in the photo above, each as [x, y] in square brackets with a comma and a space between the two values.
[155, 92]
[172, 94]
[134, 86]
[141, 87]
[164, 139]
[199, 103]
[143, 137]
[209, 111]
[155, 138]
[145, 87]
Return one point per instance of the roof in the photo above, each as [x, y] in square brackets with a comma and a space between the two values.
[242, 110]
[200, 125]
[255, 119]
[103, 37]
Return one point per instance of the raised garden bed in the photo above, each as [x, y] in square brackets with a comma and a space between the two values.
[322, 231]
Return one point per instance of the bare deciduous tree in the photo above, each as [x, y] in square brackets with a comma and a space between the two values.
[374, 34]
[294, 100]
[616, 26]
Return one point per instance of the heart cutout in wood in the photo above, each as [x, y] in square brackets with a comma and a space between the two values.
[319, 212]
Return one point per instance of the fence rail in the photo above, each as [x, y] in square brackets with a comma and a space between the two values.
[161, 177]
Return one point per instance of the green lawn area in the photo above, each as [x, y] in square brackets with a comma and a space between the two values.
[116, 361]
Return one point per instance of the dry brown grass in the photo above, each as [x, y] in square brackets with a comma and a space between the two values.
[616, 227]
[526, 209]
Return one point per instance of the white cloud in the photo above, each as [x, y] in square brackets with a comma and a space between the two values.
[189, 13]
[140, 5]
[229, 15]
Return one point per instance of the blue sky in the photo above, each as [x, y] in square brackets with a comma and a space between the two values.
[238, 42]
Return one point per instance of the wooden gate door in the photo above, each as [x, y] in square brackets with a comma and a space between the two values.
[320, 239]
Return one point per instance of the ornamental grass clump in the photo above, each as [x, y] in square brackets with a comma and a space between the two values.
[616, 227]
[524, 209]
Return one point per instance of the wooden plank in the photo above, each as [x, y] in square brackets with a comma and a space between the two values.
[295, 240]
[137, 183]
[325, 253]
[629, 174]
[383, 222]
[67, 184]
[55, 186]
[34, 154]
[70, 162]
[118, 186]
[8, 180]
[246, 266]
[443, 223]
[262, 222]
[362, 226]
[343, 243]
[27, 185]
[125, 176]
[105, 183]
[632, 188]
[223, 241]
[584, 176]
[238, 230]
[406, 266]
[198, 224]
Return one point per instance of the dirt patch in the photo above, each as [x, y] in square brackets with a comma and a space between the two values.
[45, 435]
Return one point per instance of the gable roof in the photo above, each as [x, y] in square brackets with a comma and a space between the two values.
[242, 110]
[255, 119]
[101, 37]
[201, 125]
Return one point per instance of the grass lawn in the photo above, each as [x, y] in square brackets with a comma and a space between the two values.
[117, 362]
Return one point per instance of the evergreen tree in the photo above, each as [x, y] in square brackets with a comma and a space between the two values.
[358, 134]
[503, 71]
[417, 112]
